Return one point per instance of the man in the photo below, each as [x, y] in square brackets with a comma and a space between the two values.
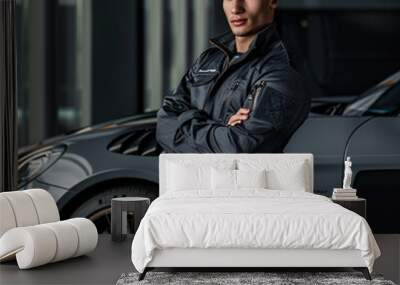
[241, 95]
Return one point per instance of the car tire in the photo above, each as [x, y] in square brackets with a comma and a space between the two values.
[98, 207]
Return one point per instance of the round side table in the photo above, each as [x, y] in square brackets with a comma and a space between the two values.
[120, 208]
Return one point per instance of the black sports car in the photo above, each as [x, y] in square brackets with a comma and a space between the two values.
[84, 169]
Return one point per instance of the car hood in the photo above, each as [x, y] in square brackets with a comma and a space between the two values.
[110, 126]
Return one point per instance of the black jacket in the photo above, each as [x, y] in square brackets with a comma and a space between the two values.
[194, 118]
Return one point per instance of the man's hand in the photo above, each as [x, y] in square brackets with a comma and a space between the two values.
[241, 115]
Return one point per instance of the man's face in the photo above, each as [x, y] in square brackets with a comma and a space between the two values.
[247, 17]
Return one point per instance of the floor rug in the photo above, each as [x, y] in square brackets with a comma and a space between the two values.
[269, 278]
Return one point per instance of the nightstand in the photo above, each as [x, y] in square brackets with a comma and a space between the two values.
[121, 208]
[358, 205]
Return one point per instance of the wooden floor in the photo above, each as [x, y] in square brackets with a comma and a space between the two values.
[111, 259]
[389, 262]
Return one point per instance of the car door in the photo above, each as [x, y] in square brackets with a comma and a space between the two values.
[375, 152]
[326, 138]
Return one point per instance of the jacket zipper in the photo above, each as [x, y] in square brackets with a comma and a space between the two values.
[255, 93]
[225, 68]
[235, 85]
[258, 91]
[219, 76]
[251, 98]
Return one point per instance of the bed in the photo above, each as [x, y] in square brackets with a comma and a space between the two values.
[246, 211]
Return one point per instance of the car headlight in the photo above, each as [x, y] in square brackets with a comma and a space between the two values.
[34, 164]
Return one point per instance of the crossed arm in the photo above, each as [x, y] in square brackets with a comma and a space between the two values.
[183, 129]
[193, 131]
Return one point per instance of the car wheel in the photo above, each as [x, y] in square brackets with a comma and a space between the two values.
[98, 207]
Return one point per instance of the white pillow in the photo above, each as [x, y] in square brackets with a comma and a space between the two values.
[251, 178]
[187, 174]
[231, 180]
[282, 174]
[223, 179]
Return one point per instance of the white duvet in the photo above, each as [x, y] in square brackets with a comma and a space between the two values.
[250, 219]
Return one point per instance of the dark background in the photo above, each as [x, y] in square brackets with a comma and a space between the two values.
[82, 62]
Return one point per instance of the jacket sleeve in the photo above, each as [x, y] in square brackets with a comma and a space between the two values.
[175, 110]
[176, 113]
[277, 110]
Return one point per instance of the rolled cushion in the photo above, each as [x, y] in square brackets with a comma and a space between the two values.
[22, 207]
[87, 235]
[7, 218]
[26, 208]
[67, 240]
[40, 244]
[46, 207]
[33, 246]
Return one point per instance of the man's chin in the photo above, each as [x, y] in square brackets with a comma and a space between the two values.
[242, 32]
[247, 31]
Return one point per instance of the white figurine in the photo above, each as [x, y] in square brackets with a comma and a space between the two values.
[347, 174]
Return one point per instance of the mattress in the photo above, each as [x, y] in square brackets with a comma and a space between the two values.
[251, 219]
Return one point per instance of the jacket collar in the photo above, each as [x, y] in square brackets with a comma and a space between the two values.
[260, 45]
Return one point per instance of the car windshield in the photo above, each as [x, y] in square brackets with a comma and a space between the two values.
[389, 103]
[383, 99]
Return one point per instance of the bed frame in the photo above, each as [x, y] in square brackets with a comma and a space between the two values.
[246, 258]
[242, 259]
